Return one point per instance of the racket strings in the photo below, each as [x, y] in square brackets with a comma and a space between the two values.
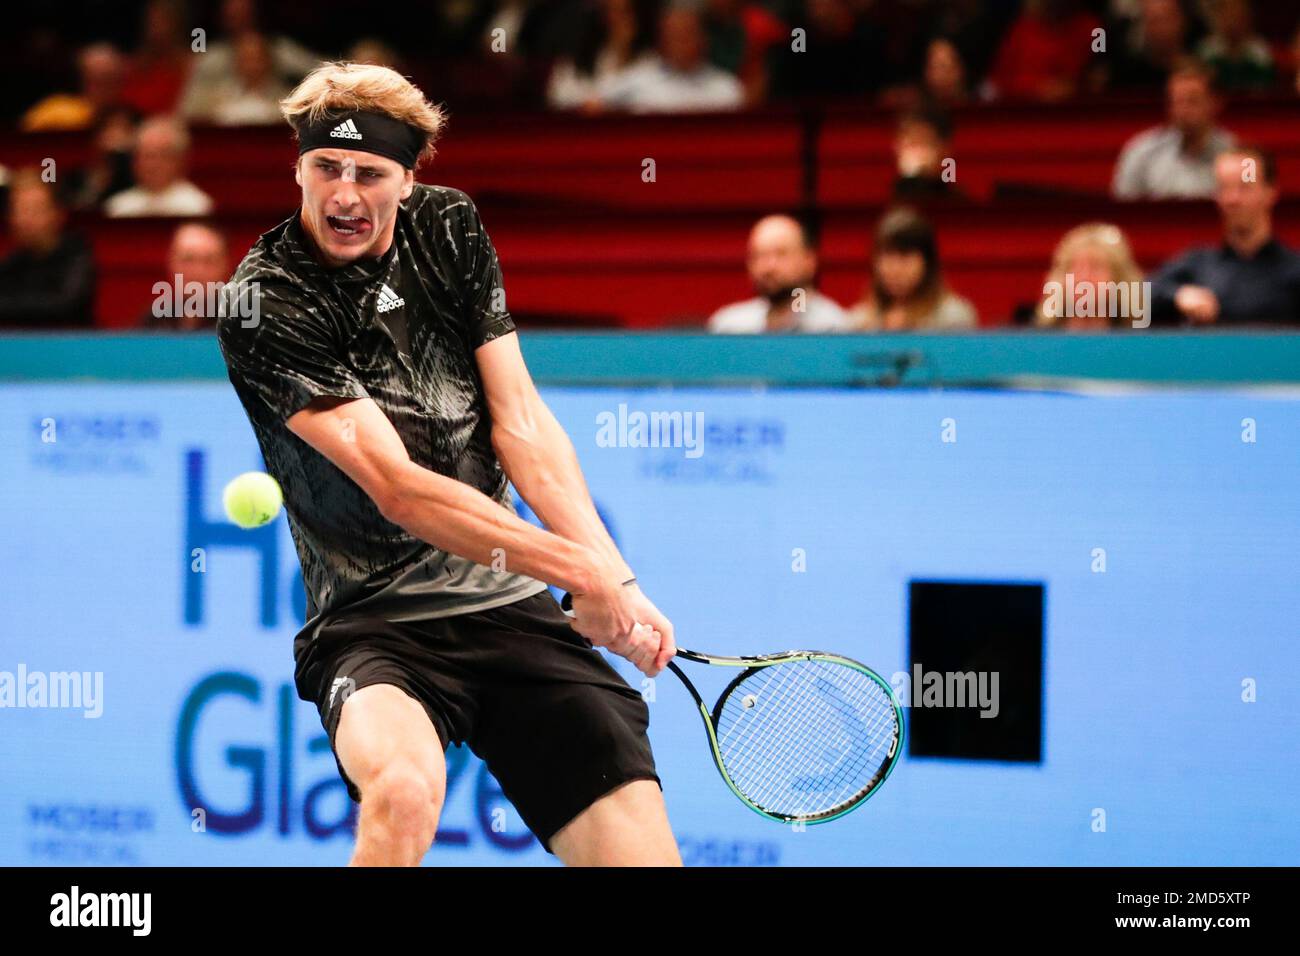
[809, 760]
[806, 737]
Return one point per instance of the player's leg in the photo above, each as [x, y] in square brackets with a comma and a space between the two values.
[627, 827]
[389, 748]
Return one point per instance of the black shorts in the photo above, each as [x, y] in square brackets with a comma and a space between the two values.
[556, 725]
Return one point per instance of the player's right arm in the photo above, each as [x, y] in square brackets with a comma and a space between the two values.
[359, 439]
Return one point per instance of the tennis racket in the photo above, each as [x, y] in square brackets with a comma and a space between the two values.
[799, 736]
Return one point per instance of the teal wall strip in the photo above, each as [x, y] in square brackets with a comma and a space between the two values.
[697, 358]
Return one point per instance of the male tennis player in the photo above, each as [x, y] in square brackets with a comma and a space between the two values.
[384, 381]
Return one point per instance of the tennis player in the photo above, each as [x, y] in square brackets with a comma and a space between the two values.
[383, 379]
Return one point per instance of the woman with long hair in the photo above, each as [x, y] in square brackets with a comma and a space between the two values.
[907, 288]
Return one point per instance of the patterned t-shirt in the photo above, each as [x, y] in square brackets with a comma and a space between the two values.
[400, 329]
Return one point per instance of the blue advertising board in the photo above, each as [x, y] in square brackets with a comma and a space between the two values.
[1163, 526]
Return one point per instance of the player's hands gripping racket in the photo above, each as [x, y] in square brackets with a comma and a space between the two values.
[800, 736]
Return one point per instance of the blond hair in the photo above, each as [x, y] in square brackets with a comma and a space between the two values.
[1104, 236]
[334, 88]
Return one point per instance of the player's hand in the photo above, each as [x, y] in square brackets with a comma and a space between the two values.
[621, 619]
[1197, 303]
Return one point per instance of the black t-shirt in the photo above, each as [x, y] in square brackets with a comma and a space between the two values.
[402, 330]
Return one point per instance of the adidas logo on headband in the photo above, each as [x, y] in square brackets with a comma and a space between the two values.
[345, 130]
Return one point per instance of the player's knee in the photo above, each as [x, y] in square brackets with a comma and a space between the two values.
[407, 797]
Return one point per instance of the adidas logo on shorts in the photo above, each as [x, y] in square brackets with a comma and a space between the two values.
[345, 130]
[388, 299]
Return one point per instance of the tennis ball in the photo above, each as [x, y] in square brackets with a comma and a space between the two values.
[253, 499]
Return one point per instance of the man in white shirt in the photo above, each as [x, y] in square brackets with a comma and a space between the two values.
[679, 78]
[782, 265]
[159, 164]
[1176, 160]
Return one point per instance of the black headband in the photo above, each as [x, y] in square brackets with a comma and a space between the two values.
[367, 132]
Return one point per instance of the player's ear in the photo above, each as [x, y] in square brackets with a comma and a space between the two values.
[408, 184]
[297, 171]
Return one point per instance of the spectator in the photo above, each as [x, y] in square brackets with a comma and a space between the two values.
[924, 158]
[48, 281]
[841, 55]
[1251, 277]
[198, 254]
[782, 262]
[1090, 258]
[250, 95]
[907, 288]
[942, 84]
[1155, 44]
[1240, 59]
[678, 78]
[159, 164]
[103, 71]
[109, 169]
[1295, 60]
[375, 52]
[161, 64]
[618, 35]
[1176, 160]
[290, 61]
[740, 34]
[944, 81]
[1047, 54]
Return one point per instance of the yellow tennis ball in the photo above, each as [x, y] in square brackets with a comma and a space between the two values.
[253, 499]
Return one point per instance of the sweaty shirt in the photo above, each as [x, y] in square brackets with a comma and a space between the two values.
[400, 329]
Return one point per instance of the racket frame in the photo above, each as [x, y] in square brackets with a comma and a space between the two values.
[754, 663]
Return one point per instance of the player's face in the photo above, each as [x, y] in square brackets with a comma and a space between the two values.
[350, 201]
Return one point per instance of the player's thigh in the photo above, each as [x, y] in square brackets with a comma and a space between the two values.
[384, 731]
[626, 827]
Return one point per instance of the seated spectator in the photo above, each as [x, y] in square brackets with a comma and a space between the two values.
[249, 96]
[782, 262]
[1090, 264]
[1251, 277]
[740, 34]
[619, 34]
[907, 288]
[1240, 59]
[1293, 81]
[48, 281]
[198, 254]
[1154, 44]
[943, 83]
[159, 165]
[1047, 54]
[1176, 160]
[103, 71]
[160, 66]
[290, 61]
[109, 168]
[923, 153]
[842, 55]
[678, 78]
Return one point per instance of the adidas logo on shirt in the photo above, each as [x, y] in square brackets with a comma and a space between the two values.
[389, 300]
[345, 130]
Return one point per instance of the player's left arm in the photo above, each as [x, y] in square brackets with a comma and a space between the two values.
[539, 459]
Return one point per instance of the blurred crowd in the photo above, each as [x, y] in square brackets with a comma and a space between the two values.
[135, 79]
